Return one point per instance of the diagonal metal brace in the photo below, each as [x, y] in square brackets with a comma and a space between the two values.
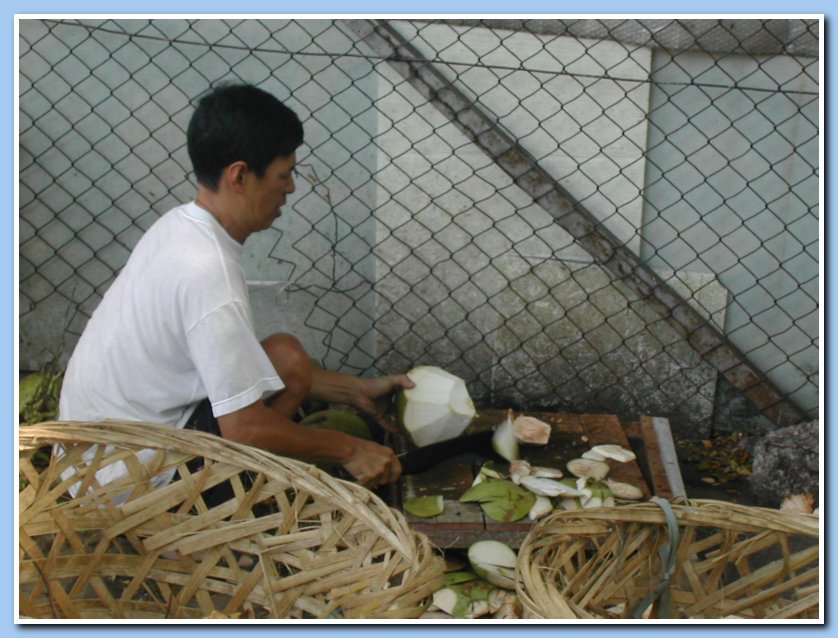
[571, 215]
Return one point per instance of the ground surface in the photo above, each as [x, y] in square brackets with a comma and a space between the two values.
[718, 468]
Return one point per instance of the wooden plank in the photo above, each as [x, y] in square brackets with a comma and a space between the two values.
[461, 524]
[662, 458]
[603, 429]
[451, 536]
[634, 433]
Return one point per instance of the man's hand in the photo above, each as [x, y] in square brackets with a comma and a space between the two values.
[372, 396]
[376, 395]
[369, 463]
[372, 465]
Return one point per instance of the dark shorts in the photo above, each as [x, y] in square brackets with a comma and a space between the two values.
[203, 420]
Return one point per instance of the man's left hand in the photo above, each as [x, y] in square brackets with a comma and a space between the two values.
[377, 395]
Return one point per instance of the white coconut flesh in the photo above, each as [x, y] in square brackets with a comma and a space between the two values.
[614, 452]
[504, 441]
[437, 408]
[494, 562]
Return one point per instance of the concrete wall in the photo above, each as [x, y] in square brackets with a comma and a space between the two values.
[753, 222]
[529, 316]
[404, 244]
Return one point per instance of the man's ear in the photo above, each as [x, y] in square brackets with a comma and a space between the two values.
[233, 176]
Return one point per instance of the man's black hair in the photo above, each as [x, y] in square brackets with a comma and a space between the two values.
[239, 122]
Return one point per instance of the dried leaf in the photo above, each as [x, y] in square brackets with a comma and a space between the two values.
[801, 503]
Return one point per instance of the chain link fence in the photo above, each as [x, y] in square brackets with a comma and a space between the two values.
[582, 215]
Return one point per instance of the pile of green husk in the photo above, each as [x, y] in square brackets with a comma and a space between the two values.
[38, 394]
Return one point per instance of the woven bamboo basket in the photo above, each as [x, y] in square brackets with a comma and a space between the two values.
[290, 541]
[728, 561]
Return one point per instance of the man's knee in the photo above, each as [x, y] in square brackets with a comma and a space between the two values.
[289, 358]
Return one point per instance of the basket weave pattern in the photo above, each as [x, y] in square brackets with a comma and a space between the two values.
[732, 561]
[290, 542]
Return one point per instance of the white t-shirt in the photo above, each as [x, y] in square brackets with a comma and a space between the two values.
[174, 328]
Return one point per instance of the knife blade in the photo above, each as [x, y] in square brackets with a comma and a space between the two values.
[423, 458]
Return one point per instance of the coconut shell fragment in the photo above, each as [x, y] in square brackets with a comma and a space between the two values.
[504, 441]
[494, 562]
[548, 487]
[625, 491]
[425, 506]
[588, 468]
[546, 472]
[532, 431]
[542, 506]
[614, 452]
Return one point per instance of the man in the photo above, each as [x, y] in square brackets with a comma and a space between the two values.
[173, 340]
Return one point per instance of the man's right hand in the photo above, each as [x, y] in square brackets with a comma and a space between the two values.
[372, 464]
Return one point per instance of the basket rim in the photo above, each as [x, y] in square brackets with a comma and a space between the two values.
[706, 512]
[406, 552]
[542, 598]
[139, 435]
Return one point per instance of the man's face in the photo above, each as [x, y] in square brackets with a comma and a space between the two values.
[266, 195]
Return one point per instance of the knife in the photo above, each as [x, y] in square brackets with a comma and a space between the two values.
[423, 458]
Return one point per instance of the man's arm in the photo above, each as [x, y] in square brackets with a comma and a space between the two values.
[368, 395]
[260, 426]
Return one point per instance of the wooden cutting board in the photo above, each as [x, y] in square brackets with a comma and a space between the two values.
[461, 524]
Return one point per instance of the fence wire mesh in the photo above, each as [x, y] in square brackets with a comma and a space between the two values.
[583, 215]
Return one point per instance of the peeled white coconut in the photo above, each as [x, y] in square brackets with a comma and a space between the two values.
[437, 408]
[494, 562]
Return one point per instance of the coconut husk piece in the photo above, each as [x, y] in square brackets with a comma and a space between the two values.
[290, 541]
[732, 561]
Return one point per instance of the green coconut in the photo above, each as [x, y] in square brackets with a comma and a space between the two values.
[341, 420]
[437, 408]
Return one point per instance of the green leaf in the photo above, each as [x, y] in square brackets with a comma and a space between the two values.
[476, 589]
[469, 596]
[456, 578]
[512, 509]
[488, 490]
[501, 500]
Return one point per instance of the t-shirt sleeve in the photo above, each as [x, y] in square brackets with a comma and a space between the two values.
[230, 361]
